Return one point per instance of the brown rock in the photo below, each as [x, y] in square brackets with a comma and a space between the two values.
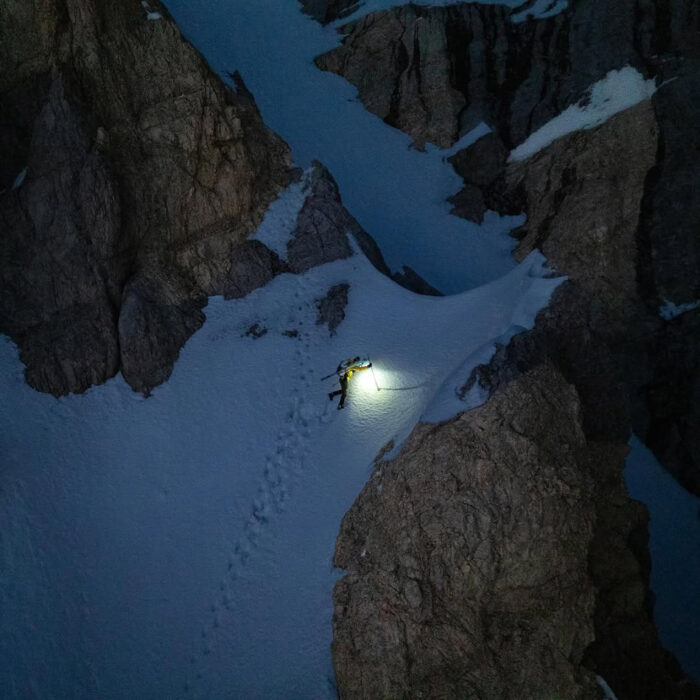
[469, 203]
[323, 227]
[482, 162]
[156, 317]
[138, 154]
[583, 211]
[331, 308]
[145, 177]
[467, 557]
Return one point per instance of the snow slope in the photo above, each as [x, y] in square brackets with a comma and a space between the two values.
[180, 546]
[674, 545]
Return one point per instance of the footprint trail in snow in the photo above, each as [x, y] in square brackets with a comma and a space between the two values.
[282, 475]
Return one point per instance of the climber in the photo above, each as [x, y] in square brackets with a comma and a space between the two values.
[345, 370]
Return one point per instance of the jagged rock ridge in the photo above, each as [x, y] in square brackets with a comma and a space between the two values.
[144, 175]
[436, 72]
[467, 559]
[448, 541]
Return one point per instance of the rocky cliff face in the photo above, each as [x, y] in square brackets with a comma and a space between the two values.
[499, 556]
[466, 557]
[137, 158]
[467, 560]
[583, 211]
[141, 177]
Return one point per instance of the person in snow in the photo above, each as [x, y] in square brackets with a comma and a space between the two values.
[345, 370]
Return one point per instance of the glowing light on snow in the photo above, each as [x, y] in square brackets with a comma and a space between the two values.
[364, 381]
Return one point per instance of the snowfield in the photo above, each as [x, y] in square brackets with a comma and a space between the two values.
[174, 546]
[181, 546]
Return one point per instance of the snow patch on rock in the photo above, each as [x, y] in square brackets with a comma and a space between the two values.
[19, 179]
[617, 91]
[279, 223]
[668, 310]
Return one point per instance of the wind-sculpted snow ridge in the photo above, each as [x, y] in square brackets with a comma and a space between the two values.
[175, 545]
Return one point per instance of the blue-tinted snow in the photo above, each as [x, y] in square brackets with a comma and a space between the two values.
[668, 310]
[278, 226]
[19, 179]
[674, 544]
[540, 9]
[181, 545]
[397, 194]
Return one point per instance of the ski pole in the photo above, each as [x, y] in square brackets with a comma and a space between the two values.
[328, 376]
[373, 375]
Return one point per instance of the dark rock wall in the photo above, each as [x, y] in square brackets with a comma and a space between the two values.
[466, 557]
[584, 211]
[136, 153]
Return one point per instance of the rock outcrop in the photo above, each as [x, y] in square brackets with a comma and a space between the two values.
[323, 226]
[498, 556]
[467, 556]
[583, 212]
[331, 308]
[141, 178]
[631, 367]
